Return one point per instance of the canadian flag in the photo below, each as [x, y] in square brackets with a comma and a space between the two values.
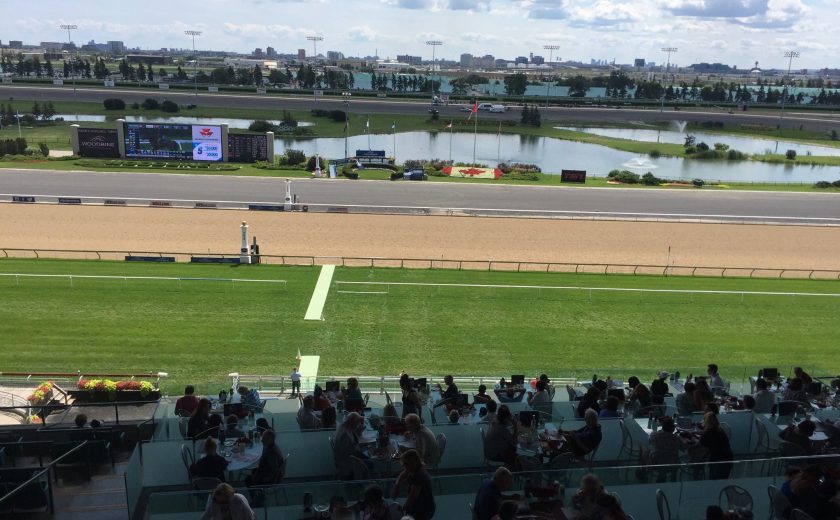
[473, 110]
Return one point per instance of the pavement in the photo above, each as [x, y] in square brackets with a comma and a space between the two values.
[794, 118]
[553, 201]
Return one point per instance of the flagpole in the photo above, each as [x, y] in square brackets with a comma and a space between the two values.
[475, 133]
[368, 131]
[450, 141]
[394, 127]
[499, 139]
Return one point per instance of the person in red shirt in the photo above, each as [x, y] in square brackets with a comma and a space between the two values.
[321, 401]
[186, 405]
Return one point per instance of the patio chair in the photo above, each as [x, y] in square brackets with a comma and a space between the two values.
[187, 458]
[779, 503]
[696, 456]
[527, 463]
[726, 429]
[735, 497]
[662, 505]
[798, 514]
[441, 440]
[633, 453]
[360, 469]
[488, 462]
[561, 461]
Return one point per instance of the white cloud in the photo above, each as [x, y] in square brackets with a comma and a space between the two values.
[469, 5]
[716, 8]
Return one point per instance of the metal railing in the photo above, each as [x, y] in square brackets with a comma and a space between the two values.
[454, 264]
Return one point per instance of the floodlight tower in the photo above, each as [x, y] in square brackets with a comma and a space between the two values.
[790, 55]
[68, 28]
[669, 50]
[195, 60]
[315, 40]
[550, 49]
[435, 44]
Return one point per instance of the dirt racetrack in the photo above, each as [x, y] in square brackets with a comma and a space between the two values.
[511, 239]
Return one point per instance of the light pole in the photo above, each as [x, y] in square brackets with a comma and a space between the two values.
[195, 60]
[68, 28]
[315, 40]
[550, 49]
[789, 55]
[669, 50]
[435, 44]
[346, 96]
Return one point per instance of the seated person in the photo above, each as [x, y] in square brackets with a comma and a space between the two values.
[501, 438]
[352, 396]
[633, 382]
[541, 397]
[329, 419]
[373, 506]
[198, 420]
[665, 445]
[250, 399]
[306, 418]
[795, 391]
[346, 444]
[584, 440]
[262, 425]
[320, 400]
[490, 416]
[488, 499]
[749, 403]
[610, 409]
[715, 439]
[610, 507]
[187, 404]
[702, 394]
[214, 428]
[804, 491]
[481, 397]
[764, 398]
[232, 430]
[685, 400]
[80, 420]
[211, 464]
[589, 400]
[454, 416]
[449, 396]
[420, 502]
[640, 397]
[392, 420]
[224, 503]
[507, 393]
[271, 466]
[424, 440]
[585, 500]
[801, 374]
[659, 386]
[715, 381]
[800, 434]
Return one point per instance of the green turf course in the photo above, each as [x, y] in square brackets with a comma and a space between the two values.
[198, 331]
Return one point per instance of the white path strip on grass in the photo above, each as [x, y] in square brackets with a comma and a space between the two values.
[172, 278]
[619, 289]
[315, 312]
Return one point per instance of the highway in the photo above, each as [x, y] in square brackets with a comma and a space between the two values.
[562, 115]
[691, 204]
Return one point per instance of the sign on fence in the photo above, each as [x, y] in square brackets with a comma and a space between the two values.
[163, 86]
[261, 90]
[212, 89]
[58, 81]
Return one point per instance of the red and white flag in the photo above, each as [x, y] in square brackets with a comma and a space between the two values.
[473, 110]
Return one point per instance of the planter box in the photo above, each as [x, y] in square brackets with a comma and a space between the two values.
[121, 396]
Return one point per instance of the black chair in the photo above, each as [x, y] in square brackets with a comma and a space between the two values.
[517, 379]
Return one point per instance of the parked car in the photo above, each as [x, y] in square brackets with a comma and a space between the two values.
[498, 108]
[485, 106]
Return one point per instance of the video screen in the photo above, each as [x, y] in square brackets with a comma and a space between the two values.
[175, 142]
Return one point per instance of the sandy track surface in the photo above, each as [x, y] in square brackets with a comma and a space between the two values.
[317, 234]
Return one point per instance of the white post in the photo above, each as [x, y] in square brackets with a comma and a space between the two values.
[287, 205]
[244, 257]
[317, 171]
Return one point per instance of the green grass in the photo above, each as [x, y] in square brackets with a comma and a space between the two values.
[200, 331]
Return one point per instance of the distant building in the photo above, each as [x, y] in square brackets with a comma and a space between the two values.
[393, 66]
[500, 63]
[411, 60]
[335, 55]
[51, 47]
[521, 60]
[258, 53]
[711, 68]
[466, 60]
[488, 61]
[248, 63]
[537, 60]
[639, 63]
[270, 52]
[116, 47]
[15, 44]
[146, 59]
[301, 54]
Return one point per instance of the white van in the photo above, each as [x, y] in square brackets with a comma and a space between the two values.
[498, 108]
[485, 106]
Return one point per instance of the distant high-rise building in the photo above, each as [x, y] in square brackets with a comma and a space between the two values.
[15, 44]
[258, 53]
[500, 63]
[488, 61]
[51, 47]
[521, 59]
[301, 54]
[639, 63]
[466, 60]
[335, 55]
[537, 60]
[116, 47]
[411, 60]
[270, 52]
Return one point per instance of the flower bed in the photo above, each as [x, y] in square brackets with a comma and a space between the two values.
[42, 394]
[108, 390]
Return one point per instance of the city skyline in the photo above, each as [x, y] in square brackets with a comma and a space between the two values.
[735, 32]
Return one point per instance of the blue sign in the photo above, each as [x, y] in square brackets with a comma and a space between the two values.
[364, 154]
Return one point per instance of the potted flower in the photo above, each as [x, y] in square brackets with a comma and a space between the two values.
[108, 390]
[42, 394]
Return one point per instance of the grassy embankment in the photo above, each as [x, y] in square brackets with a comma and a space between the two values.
[189, 328]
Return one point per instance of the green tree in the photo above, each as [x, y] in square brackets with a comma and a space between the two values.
[49, 111]
[578, 86]
[36, 110]
[258, 77]
[151, 73]
[515, 84]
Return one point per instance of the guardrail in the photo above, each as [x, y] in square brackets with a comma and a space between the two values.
[453, 264]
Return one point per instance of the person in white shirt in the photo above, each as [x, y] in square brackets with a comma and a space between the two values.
[424, 440]
[295, 377]
[307, 420]
[764, 398]
[715, 381]
[224, 504]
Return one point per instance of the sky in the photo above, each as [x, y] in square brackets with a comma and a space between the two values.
[735, 32]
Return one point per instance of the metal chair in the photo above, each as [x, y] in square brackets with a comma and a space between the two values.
[627, 443]
[798, 514]
[779, 503]
[488, 462]
[441, 440]
[762, 438]
[527, 463]
[183, 424]
[789, 449]
[573, 395]
[662, 505]
[187, 458]
[561, 461]
[360, 469]
[726, 429]
[697, 455]
[664, 465]
[736, 498]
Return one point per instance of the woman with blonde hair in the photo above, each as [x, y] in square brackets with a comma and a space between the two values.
[225, 504]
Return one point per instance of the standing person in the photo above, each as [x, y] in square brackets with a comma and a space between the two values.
[410, 399]
[420, 503]
[659, 386]
[295, 377]
[717, 442]
[187, 404]
[346, 444]
[224, 504]
[801, 374]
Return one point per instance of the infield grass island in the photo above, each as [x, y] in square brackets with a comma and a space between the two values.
[200, 330]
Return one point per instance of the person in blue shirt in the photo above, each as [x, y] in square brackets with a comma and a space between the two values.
[489, 497]
[250, 398]
[584, 440]
[610, 409]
